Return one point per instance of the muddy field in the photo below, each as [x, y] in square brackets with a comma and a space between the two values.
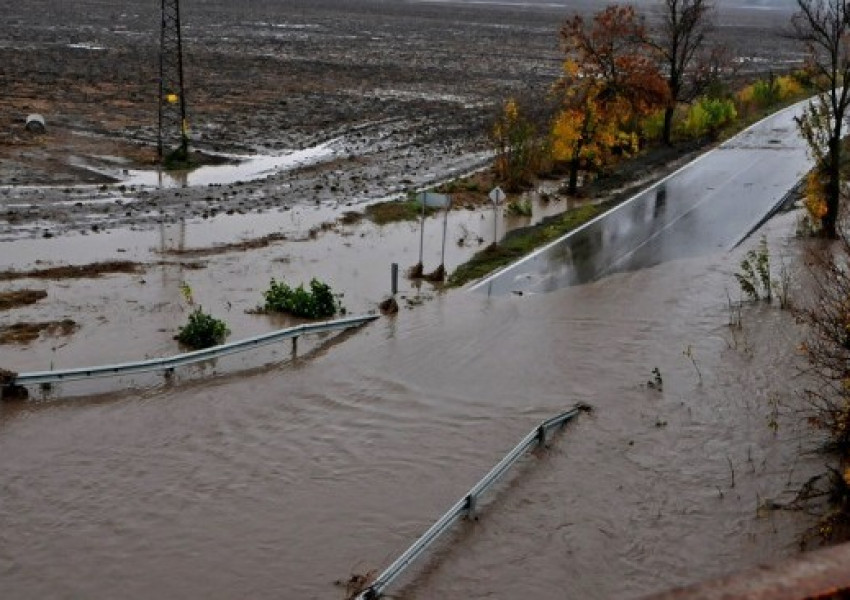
[338, 103]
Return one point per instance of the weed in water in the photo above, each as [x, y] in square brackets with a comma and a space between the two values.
[357, 583]
[754, 276]
[202, 330]
[736, 320]
[782, 285]
[519, 208]
[773, 416]
[690, 354]
[656, 383]
[829, 495]
[186, 292]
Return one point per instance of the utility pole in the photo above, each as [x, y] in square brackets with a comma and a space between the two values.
[173, 133]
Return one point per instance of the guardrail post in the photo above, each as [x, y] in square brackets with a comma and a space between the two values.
[541, 435]
[295, 346]
[471, 505]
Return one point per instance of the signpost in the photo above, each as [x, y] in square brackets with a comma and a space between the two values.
[432, 200]
[445, 230]
[497, 197]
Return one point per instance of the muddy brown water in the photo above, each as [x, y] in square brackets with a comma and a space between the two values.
[237, 479]
[277, 481]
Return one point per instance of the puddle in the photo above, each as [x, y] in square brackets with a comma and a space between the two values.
[90, 47]
[247, 168]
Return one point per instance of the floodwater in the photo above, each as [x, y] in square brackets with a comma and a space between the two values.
[245, 168]
[274, 483]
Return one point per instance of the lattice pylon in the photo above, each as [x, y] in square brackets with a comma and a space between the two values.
[173, 135]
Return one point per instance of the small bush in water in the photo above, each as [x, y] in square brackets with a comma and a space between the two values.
[318, 303]
[202, 331]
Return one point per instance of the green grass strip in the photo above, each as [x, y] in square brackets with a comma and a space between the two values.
[520, 242]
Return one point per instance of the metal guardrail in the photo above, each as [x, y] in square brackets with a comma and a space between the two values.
[467, 504]
[180, 360]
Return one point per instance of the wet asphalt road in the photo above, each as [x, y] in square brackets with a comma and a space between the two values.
[708, 205]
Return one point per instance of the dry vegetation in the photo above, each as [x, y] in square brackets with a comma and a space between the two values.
[17, 298]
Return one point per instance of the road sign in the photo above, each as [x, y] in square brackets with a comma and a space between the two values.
[433, 199]
[497, 196]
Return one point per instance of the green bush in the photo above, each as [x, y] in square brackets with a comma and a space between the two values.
[519, 208]
[202, 331]
[653, 125]
[318, 303]
[766, 92]
[709, 115]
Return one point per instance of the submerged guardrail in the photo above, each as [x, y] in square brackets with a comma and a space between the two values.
[467, 504]
[170, 363]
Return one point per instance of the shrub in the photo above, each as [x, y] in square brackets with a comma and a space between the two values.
[789, 87]
[708, 116]
[393, 211]
[202, 330]
[318, 303]
[766, 92]
[815, 195]
[518, 150]
[519, 208]
[652, 126]
[754, 277]
[827, 349]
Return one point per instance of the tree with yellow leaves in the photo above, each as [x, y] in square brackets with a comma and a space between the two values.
[517, 148]
[610, 81]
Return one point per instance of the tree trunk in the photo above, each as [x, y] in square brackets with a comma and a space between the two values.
[833, 191]
[667, 134]
[572, 187]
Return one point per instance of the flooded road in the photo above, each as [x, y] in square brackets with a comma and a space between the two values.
[276, 483]
[708, 205]
[272, 477]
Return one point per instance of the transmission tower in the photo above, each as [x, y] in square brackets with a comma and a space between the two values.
[173, 135]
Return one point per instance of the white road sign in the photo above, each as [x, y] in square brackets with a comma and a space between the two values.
[497, 196]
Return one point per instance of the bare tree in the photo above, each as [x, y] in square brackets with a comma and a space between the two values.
[683, 29]
[824, 27]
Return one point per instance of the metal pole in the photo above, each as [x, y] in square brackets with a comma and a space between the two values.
[422, 233]
[159, 149]
[445, 230]
[495, 224]
[184, 125]
[394, 278]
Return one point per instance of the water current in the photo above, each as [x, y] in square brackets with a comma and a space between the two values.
[277, 482]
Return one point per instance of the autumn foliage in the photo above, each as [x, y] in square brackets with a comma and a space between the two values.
[518, 149]
[609, 82]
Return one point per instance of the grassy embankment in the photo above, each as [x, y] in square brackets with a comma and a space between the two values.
[520, 242]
